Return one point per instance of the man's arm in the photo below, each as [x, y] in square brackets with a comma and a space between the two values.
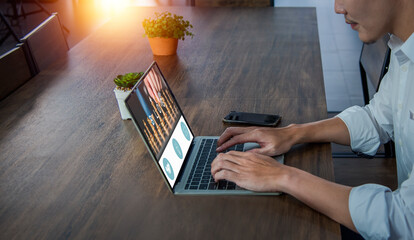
[329, 130]
[276, 141]
[257, 172]
[324, 196]
[261, 173]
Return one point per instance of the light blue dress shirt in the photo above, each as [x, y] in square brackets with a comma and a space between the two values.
[376, 211]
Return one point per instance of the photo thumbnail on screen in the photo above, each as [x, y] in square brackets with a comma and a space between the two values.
[158, 113]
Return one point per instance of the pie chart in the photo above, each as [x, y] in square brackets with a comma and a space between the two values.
[185, 131]
[168, 169]
[177, 148]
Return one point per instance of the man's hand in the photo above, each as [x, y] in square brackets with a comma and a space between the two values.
[276, 141]
[261, 173]
[272, 141]
[258, 172]
[248, 170]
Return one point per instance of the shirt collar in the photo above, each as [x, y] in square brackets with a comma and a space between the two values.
[408, 47]
[404, 51]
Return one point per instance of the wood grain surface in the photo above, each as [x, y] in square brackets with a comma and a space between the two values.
[70, 168]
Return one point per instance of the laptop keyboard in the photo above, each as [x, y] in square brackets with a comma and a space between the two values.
[200, 175]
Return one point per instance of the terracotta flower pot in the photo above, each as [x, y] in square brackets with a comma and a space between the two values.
[163, 46]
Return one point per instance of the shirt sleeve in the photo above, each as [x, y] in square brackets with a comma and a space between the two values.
[379, 213]
[371, 125]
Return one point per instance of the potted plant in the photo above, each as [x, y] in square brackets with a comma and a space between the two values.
[164, 31]
[124, 84]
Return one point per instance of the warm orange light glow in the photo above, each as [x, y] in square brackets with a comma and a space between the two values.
[112, 6]
[144, 3]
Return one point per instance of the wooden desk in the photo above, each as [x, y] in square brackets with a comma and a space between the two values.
[71, 168]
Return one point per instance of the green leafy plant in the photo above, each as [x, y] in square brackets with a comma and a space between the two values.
[167, 25]
[127, 81]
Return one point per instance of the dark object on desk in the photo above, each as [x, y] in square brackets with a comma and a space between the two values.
[257, 119]
[14, 70]
[46, 43]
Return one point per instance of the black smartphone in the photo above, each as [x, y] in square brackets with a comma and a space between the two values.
[257, 119]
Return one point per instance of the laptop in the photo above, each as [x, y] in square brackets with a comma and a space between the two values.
[184, 160]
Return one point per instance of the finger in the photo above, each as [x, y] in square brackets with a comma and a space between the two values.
[225, 161]
[226, 175]
[222, 163]
[265, 150]
[243, 158]
[227, 139]
[243, 135]
[237, 154]
[228, 133]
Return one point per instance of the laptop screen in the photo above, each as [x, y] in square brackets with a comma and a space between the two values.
[160, 121]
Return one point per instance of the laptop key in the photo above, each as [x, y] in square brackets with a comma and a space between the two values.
[200, 175]
[239, 147]
[212, 186]
[231, 185]
[222, 185]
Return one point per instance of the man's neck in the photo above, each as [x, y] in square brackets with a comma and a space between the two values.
[404, 24]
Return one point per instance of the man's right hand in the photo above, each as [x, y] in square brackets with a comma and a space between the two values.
[272, 141]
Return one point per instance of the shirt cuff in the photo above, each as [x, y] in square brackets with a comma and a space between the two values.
[364, 137]
[369, 208]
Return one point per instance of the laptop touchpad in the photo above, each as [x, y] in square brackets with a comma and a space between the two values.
[249, 146]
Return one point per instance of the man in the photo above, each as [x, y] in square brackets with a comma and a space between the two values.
[372, 210]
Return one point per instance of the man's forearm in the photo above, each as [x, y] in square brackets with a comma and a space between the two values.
[326, 197]
[329, 130]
